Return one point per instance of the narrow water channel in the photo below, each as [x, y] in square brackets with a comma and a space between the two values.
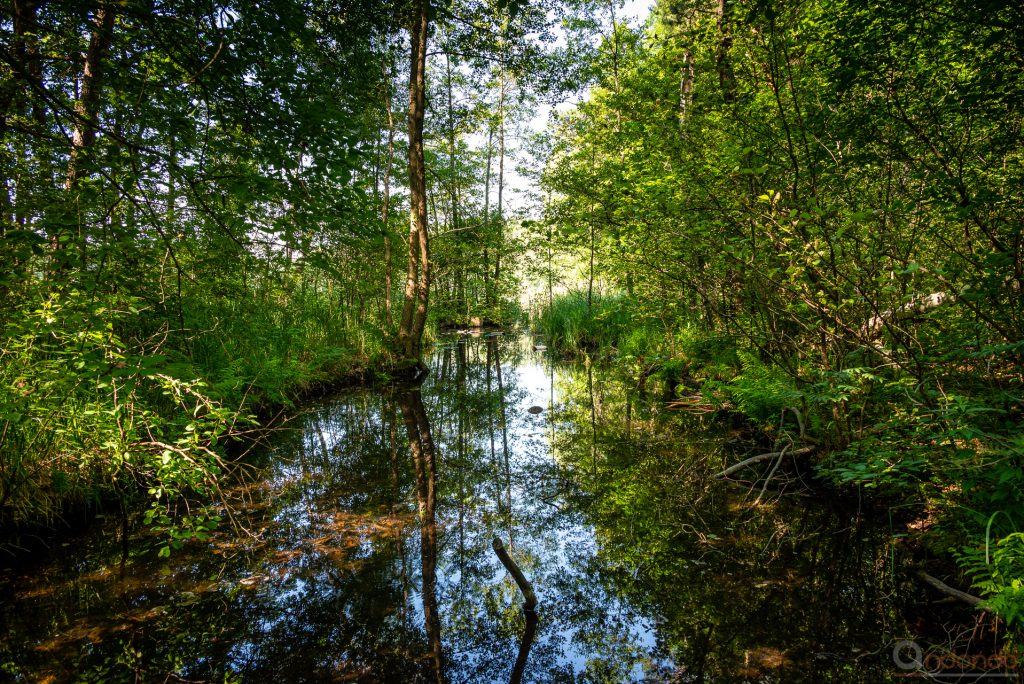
[366, 553]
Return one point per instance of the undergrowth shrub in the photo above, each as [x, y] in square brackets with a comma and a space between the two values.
[106, 396]
[83, 414]
[945, 431]
[949, 449]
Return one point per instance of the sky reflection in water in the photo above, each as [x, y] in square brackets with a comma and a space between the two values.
[369, 558]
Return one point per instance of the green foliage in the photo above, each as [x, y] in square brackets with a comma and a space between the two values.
[200, 243]
[762, 391]
[998, 572]
[782, 179]
[84, 412]
[876, 464]
[567, 323]
[609, 323]
[267, 345]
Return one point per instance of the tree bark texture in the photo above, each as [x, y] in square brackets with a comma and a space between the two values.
[417, 281]
[87, 107]
[386, 205]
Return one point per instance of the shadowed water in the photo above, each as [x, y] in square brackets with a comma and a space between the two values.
[364, 553]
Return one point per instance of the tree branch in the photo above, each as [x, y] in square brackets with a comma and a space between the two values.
[763, 457]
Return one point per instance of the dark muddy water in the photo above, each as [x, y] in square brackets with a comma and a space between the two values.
[367, 555]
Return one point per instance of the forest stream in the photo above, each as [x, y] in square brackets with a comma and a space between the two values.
[363, 552]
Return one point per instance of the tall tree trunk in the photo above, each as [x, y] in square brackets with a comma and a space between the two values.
[87, 109]
[501, 176]
[386, 204]
[590, 277]
[685, 89]
[726, 77]
[487, 217]
[593, 243]
[453, 188]
[551, 273]
[417, 280]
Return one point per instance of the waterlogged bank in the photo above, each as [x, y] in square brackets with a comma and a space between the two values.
[367, 555]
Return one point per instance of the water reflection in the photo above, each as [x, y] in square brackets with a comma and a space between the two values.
[421, 446]
[368, 554]
[529, 634]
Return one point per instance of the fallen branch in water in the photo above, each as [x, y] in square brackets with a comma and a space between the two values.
[529, 605]
[970, 600]
[524, 585]
[697, 404]
[771, 474]
[763, 457]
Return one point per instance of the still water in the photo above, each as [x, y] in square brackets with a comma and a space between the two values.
[362, 552]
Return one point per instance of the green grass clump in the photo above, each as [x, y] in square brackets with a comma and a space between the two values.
[107, 396]
[607, 322]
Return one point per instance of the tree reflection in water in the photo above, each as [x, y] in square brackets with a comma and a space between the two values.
[371, 560]
[421, 446]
